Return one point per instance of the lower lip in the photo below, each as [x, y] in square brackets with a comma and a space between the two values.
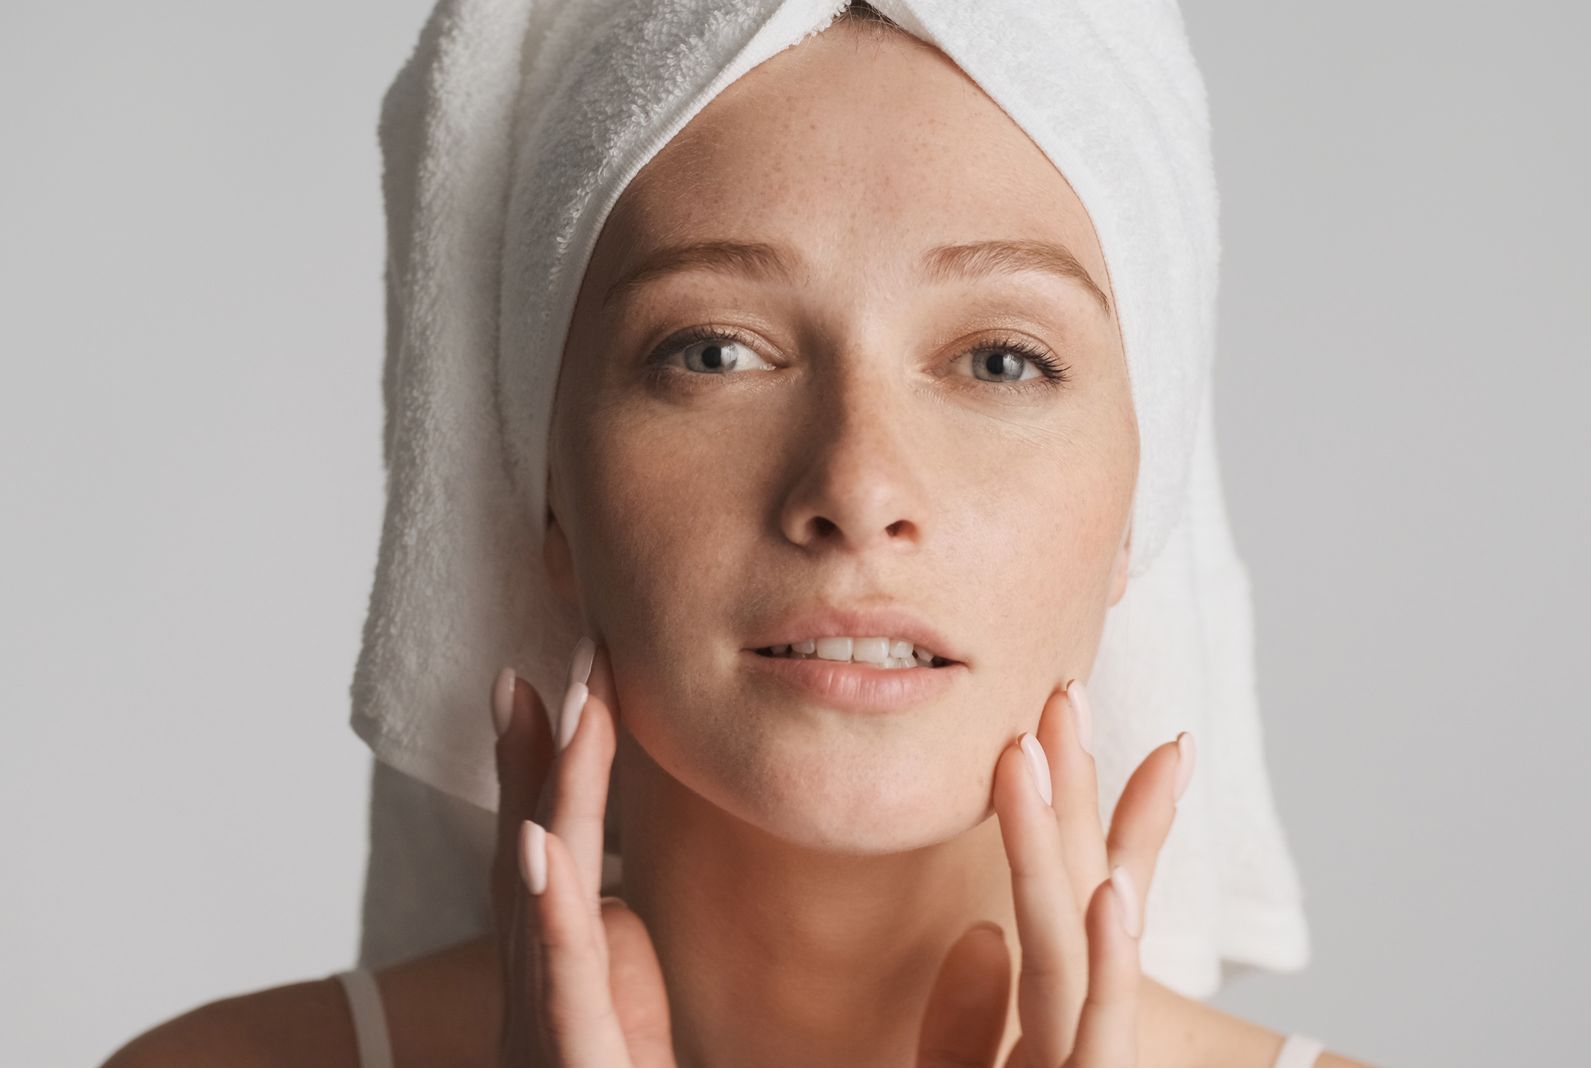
[858, 687]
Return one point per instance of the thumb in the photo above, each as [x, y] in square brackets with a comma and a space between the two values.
[635, 980]
[965, 1018]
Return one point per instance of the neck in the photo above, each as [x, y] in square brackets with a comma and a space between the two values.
[773, 954]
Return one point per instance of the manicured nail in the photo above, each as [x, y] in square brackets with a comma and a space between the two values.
[574, 698]
[574, 702]
[1082, 714]
[503, 700]
[1127, 900]
[1038, 764]
[533, 855]
[580, 663]
[1185, 760]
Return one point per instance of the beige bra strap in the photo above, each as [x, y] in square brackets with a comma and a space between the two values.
[1299, 1051]
[370, 1019]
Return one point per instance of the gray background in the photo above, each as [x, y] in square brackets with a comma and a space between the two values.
[190, 262]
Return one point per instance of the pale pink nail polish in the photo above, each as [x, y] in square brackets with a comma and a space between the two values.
[574, 703]
[503, 700]
[580, 663]
[1083, 712]
[533, 856]
[1186, 755]
[1038, 764]
[1127, 897]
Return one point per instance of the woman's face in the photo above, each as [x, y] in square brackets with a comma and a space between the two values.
[864, 436]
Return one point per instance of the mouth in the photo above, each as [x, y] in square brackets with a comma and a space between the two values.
[878, 653]
[884, 635]
[853, 685]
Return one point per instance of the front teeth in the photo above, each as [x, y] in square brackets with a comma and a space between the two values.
[878, 651]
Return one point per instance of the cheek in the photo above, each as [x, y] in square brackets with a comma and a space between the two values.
[669, 529]
[1048, 538]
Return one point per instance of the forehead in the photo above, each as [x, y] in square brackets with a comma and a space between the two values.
[845, 145]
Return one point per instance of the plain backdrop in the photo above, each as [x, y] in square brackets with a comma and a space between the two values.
[190, 317]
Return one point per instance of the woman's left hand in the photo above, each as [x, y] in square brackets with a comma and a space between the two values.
[1079, 900]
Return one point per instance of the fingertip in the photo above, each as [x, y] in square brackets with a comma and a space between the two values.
[1082, 715]
[1008, 776]
[580, 662]
[574, 703]
[1187, 757]
[1107, 1030]
[972, 967]
[1039, 766]
[533, 856]
[1129, 912]
[601, 681]
[503, 693]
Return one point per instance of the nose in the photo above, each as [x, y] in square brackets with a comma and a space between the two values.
[861, 487]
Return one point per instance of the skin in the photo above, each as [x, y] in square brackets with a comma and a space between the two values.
[870, 464]
[853, 456]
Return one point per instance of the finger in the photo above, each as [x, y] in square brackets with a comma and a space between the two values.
[635, 980]
[1107, 1030]
[580, 782]
[570, 996]
[966, 1014]
[1053, 975]
[1143, 817]
[1062, 731]
[604, 689]
[523, 755]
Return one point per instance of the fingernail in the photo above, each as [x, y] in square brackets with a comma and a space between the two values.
[1082, 714]
[1127, 900]
[1186, 753]
[503, 700]
[574, 702]
[580, 663]
[533, 855]
[1038, 764]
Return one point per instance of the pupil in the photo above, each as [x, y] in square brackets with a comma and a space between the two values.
[996, 362]
[713, 356]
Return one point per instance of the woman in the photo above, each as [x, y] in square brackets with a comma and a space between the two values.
[841, 478]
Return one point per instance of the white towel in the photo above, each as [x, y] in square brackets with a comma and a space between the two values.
[507, 137]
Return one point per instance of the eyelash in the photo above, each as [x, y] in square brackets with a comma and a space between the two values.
[1056, 373]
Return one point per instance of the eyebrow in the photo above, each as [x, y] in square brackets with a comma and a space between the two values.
[774, 262]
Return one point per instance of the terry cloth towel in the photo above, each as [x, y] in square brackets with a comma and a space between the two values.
[506, 139]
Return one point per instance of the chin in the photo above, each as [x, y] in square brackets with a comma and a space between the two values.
[872, 830]
[860, 797]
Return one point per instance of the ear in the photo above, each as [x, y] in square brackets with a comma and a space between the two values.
[1118, 570]
[556, 556]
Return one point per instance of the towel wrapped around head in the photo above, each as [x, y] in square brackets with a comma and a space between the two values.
[507, 138]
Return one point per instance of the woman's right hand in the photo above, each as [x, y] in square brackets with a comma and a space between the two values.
[582, 987]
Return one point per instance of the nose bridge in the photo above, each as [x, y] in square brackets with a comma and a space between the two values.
[862, 484]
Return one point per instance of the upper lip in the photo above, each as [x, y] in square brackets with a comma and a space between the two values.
[825, 622]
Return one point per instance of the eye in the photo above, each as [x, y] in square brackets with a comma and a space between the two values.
[708, 350]
[1006, 359]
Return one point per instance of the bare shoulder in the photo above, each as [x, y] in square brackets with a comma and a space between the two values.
[442, 1008]
[1194, 1034]
[300, 1023]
